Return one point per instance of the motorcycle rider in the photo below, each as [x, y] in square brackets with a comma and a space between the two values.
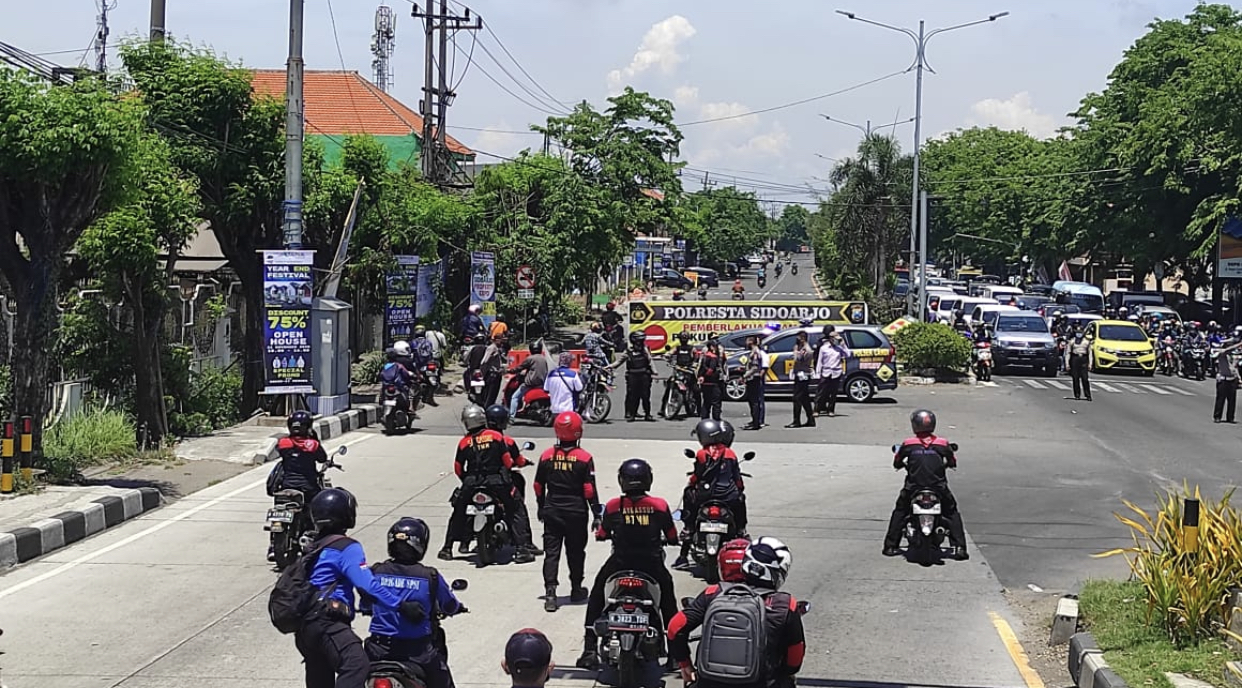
[396, 371]
[702, 291]
[472, 324]
[424, 353]
[533, 372]
[395, 638]
[1078, 351]
[683, 359]
[498, 420]
[612, 326]
[639, 525]
[717, 476]
[300, 455]
[925, 458]
[485, 461]
[596, 345]
[679, 295]
[499, 328]
[495, 359]
[639, 370]
[710, 375]
[765, 566]
[738, 288]
[567, 496]
[959, 321]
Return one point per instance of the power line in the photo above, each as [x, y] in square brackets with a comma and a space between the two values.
[538, 98]
[469, 58]
[515, 96]
[795, 103]
[341, 56]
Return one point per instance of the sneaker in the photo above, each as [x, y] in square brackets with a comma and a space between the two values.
[549, 599]
[960, 553]
[271, 554]
[579, 594]
[533, 549]
[891, 551]
[589, 661]
[445, 554]
[523, 557]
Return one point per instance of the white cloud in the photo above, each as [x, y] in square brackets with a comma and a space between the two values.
[1016, 113]
[499, 140]
[658, 50]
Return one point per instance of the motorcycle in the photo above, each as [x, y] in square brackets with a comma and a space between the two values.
[983, 361]
[762, 281]
[400, 407]
[793, 269]
[925, 529]
[488, 524]
[631, 632]
[431, 374]
[288, 520]
[1192, 362]
[739, 296]
[1168, 359]
[467, 343]
[713, 526]
[679, 397]
[594, 404]
[536, 403]
[477, 383]
[389, 674]
[702, 293]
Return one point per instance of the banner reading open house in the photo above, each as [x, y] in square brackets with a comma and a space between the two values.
[288, 288]
[663, 320]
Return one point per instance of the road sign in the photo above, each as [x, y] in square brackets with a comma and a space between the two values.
[526, 277]
[526, 294]
[657, 337]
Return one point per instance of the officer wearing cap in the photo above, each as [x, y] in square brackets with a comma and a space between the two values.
[528, 659]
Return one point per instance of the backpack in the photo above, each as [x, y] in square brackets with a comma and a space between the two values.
[733, 649]
[293, 598]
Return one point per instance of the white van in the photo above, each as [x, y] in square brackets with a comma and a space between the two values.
[1001, 292]
[947, 303]
[969, 303]
[986, 312]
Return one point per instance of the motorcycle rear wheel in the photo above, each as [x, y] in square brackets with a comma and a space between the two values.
[283, 545]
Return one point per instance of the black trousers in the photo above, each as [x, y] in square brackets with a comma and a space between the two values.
[802, 402]
[491, 388]
[826, 394]
[507, 494]
[1226, 399]
[948, 512]
[710, 408]
[422, 653]
[652, 566]
[758, 405]
[1079, 371]
[637, 391]
[333, 654]
[565, 530]
[691, 500]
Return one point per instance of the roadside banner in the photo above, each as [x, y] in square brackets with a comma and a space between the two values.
[1229, 260]
[483, 283]
[662, 321]
[288, 289]
[400, 298]
[430, 279]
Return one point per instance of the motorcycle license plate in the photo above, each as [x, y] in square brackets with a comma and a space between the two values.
[477, 384]
[713, 527]
[615, 619]
[390, 402]
[279, 517]
[918, 510]
[488, 510]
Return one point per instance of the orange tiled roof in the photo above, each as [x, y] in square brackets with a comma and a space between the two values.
[339, 103]
[652, 193]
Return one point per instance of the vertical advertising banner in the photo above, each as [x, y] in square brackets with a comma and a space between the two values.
[288, 288]
[402, 292]
[1229, 260]
[483, 283]
[429, 281]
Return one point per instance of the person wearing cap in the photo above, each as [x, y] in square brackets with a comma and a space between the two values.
[528, 659]
[1226, 381]
[830, 363]
[563, 385]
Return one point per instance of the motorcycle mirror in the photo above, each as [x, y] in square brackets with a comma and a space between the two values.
[748, 456]
[527, 446]
[677, 515]
[804, 607]
[953, 446]
[342, 450]
[689, 453]
[459, 584]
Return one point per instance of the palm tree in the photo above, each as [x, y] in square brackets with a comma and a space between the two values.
[867, 216]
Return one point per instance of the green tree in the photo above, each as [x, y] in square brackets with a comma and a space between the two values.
[724, 223]
[793, 228]
[68, 155]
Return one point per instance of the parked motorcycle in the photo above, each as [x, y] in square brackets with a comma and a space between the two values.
[983, 361]
[631, 632]
[680, 400]
[713, 526]
[594, 404]
[488, 521]
[925, 528]
[536, 404]
[288, 521]
[386, 674]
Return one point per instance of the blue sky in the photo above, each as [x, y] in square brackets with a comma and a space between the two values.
[713, 59]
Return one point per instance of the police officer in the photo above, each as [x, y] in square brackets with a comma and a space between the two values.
[565, 488]
[683, 362]
[639, 526]
[639, 369]
[395, 638]
[300, 456]
[1079, 352]
[498, 420]
[710, 374]
[483, 461]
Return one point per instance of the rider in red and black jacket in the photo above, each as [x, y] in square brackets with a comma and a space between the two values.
[925, 458]
[567, 496]
[300, 455]
[765, 566]
[717, 476]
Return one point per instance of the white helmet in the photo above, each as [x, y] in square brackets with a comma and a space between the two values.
[402, 348]
[767, 562]
[475, 308]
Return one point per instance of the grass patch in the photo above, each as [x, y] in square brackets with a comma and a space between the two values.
[91, 438]
[1116, 614]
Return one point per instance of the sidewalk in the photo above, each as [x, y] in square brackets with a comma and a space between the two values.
[32, 525]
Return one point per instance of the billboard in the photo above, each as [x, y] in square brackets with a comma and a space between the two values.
[662, 321]
[288, 289]
[1229, 257]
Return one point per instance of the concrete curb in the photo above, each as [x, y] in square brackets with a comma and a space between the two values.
[1087, 666]
[360, 416]
[41, 537]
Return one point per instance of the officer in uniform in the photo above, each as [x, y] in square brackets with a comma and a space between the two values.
[683, 362]
[639, 370]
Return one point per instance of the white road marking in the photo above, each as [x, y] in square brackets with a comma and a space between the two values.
[1057, 384]
[1159, 390]
[1033, 383]
[1106, 387]
[1182, 391]
[1129, 388]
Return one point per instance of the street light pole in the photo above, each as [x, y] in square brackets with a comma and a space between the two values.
[920, 63]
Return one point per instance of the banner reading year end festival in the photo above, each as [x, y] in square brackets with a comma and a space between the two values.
[483, 283]
[402, 291]
[288, 288]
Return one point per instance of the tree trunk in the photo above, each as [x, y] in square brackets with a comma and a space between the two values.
[34, 329]
[148, 388]
[253, 374]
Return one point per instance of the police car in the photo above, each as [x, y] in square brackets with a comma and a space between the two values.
[872, 368]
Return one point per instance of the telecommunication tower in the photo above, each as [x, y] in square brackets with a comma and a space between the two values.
[382, 43]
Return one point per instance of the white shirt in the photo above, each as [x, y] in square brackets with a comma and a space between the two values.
[561, 385]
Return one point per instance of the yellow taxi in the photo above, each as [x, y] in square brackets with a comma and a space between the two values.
[1121, 345]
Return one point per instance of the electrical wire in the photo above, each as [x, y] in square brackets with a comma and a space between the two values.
[560, 110]
[474, 41]
[505, 48]
[796, 103]
[511, 93]
[341, 56]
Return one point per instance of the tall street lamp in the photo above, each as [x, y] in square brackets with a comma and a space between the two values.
[920, 63]
[867, 129]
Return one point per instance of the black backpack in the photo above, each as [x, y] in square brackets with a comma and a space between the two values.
[733, 648]
[293, 598]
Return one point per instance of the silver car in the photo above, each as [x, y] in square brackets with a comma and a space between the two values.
[1022, 338]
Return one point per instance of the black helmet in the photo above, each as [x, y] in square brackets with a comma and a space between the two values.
[334, 510]
[923, 421]
[726, 433]
[638, 338]
[709, 432]
[497, 417]
[635, 477]
[536, 347]
[407, 540]
[828, 330]
[299, 423]
[683, 337]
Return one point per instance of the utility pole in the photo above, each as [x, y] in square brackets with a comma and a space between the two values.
[435, 159]
[294, 126]
[101, 36]
[158, 12]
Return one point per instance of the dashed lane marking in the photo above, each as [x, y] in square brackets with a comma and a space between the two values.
[1034, 383]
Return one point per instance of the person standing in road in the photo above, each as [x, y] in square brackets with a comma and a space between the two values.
[1226, 383]
[565, 489]
[564, 385]
[711, 376]
[756, 369]
[495, 360]
[829, 369]
[528, 659]
[803, 369]
[639, 370]
[1079, 352]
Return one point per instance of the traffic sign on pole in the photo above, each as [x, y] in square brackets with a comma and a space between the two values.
[526, 294]
[526, 277]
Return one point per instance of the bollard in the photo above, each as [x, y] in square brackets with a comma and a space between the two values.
[1190, 525]
[26, 447]
[6, 455]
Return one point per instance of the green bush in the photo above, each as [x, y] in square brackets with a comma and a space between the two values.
[6, 392]
[569, 312]
[366, 371]
[88, 439]
[936, 346]
[213, 402]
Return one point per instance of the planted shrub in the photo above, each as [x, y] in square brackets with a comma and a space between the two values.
[932, 346]
[90, 438]
[366, 371]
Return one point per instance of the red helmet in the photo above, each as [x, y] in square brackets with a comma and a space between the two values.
[568, 426]
[730, 558]
[611, 306]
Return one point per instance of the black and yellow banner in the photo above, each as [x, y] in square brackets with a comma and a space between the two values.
[661, 321]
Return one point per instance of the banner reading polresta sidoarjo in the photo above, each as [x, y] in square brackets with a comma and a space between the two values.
[288, 289]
